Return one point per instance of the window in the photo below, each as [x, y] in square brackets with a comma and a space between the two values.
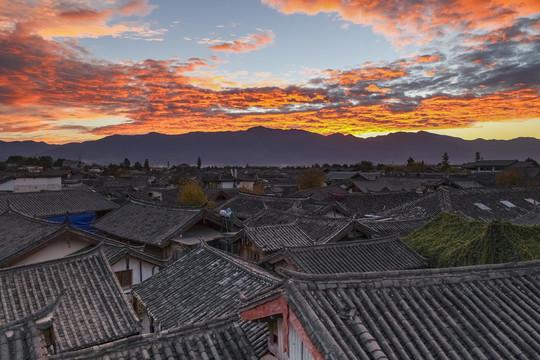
[125, 278]
[482, 206]
[532, 201]
[508, 204]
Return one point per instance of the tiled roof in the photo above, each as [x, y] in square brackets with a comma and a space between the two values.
[245, 205]
[530, 218]
[352, 256]
[320, 229]
[88, 305]
[481, 312]
[22, 340]
[486, 204]
[363, 204]
[275, 237]
[204, 284]
[20, 233]
[324, 193]
[385, 227]
[396, 184]
[147, 222]
[114, 251]
[53, 203]
[487, 163]
[212, 340]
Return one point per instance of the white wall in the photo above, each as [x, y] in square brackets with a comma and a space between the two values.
[37, 184]
[141, 269]
[57, 249]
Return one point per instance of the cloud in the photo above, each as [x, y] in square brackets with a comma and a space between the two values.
[51, 19]
[416, 21]
[58, 86]
[250, 43]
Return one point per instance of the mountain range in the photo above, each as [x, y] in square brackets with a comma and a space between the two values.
[273, 147]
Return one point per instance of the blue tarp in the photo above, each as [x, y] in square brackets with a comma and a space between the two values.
[80, 221]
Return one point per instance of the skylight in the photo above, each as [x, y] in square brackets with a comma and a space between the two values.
[508, 204]
[532, 201]
[482, 206]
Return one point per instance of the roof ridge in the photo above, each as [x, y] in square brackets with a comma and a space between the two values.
[183, 330]
[160, 205]
[237, 261]
[10, 210]
[91, 252]
[350, 243]
[384, 278]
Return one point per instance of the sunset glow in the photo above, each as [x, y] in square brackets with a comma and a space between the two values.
[76, 71]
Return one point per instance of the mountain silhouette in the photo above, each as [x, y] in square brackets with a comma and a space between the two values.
[274, 147]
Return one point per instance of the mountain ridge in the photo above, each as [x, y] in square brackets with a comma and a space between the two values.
[274, 147]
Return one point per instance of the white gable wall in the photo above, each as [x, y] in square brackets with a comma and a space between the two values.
[27, 184]
[57, 249]
[141, 269]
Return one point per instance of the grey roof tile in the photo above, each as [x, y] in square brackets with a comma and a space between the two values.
[53, 203]
[473, 312]
[485, 204]
[244, 206]
[89, 307]
[147, 222]
[20, 234]
[352, 256]
[204, 284]
[219, 339]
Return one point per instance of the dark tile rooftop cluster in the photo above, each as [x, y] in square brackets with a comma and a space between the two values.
[20, 233]
[245, 205]
[365, 204]
[353, 256]
[275, 237]
[204, 284]
[224, 339]
[86, 302]
[485, 204]
[147, 223]
[320, 229]
[392, 184]
[389, 227]
[482, 312]
[53, 203]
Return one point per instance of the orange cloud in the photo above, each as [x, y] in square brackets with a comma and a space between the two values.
[364, 74]
[410, 21]
[375, 88]
[252, 42]
[51, 19]
[49, 87]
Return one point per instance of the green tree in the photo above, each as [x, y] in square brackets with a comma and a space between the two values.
[445, 161]
[364, 166]
[199, 163]
[311, 178]
[146, 165]
[137, 166]
[58, 162]
[126, 163]
[192, 194]
[410, 161]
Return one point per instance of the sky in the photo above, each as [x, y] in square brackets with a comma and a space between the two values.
[72, 71]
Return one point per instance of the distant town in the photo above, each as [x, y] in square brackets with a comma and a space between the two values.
[328, 261]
